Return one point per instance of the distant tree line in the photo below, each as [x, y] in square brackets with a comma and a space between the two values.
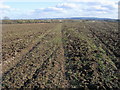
[7, 21]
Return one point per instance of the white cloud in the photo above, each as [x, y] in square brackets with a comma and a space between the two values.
[53, 9]
[32, 0]
[79, 9]
[2, 6]
[5, 10]
[70, 8]
[59, 8]
[99, 7]
[48, 10]
[92, 0]
[67, 5]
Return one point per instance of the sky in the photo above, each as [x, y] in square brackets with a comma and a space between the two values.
[37, 9]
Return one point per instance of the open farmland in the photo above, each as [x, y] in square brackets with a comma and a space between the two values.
[71, 54]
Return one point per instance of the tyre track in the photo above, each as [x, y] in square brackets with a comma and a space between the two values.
[40, 69]
[51, 73]
[34, 31]
[12, 61]
[83, 61]
[28, 28]
[32, 63]
[110, 51]
[22, 61]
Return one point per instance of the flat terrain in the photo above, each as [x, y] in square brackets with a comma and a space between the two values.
[61, 55]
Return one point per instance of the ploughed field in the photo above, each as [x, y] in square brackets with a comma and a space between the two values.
[61, 55]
